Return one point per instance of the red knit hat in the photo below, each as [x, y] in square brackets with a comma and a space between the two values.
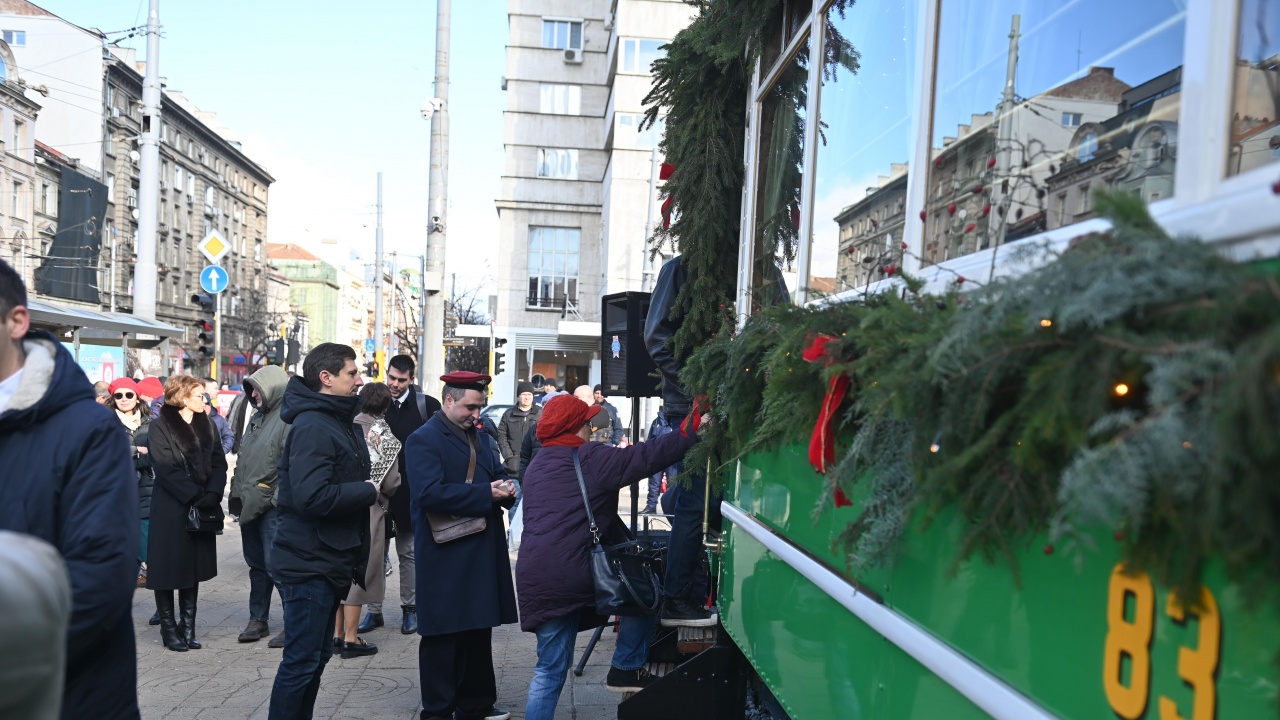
[563, 415]
[151, 387]
[123, 382]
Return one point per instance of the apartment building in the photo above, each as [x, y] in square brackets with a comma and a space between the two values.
[576, 186]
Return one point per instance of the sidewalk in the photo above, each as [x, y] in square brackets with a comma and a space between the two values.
[227, 680]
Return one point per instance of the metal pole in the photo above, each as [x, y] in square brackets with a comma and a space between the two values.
[377, 274]
[217, 339]
[433, 322]
[422, 315]
[144, 272]
[391, 333]
[646, 280]
[1004, 136]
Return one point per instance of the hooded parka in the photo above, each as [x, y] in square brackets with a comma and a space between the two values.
[69, 481]
[257, 465]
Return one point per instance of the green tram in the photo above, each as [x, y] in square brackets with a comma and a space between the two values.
[1041, 102]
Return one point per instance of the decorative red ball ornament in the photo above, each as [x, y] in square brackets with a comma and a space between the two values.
[1048, 549]
[1118, 535]
[889, 269]
[951, 208]
[904, 246]
[991, 162]
[970, 227]
[937, 162]
[986, 209]
[1275, 187]
[977, 188]
[923, 215]
[960, 280]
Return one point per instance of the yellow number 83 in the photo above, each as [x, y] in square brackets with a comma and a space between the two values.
[1129, 637]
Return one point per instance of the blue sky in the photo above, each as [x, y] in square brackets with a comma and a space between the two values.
[325, 98]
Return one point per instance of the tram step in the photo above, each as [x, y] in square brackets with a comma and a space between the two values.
[656, 669]
[695, 639]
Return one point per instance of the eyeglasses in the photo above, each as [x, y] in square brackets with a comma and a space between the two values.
[124, 396]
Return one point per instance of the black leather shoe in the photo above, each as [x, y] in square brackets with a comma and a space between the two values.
[359, 648]
[276, 642]
[409, 622]
[370, 621]
[155, 618]
[254, 631]
[493, 713]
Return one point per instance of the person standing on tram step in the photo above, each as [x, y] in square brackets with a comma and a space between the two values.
[191, 469]
[465, 587]
[321, 544]
[410, 409]
[253, 493]
[69, 482]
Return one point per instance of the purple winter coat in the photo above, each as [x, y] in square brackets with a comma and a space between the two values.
[552, 576]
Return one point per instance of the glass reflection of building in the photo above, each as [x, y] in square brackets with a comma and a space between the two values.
[871, 232]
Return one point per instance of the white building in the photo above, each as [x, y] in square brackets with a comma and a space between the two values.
[576, 189]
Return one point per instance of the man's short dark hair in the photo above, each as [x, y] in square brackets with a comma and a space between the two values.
[12, 292]
[453, 391]
[325, 357]
[377, 398]
[403, 363]
[597, 389]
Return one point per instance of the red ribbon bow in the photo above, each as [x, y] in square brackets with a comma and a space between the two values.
[693, 420]
[665, 171]
[822, 444]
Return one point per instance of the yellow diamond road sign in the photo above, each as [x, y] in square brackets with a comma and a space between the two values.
[214, 247]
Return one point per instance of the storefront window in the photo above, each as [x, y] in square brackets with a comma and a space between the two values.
[780, 169]
[864, 144]
[1255, 111]
[1037, 103]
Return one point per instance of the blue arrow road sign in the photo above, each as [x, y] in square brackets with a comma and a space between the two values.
[214, 279]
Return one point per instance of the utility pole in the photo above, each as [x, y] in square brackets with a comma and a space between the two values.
[422, 314]
[1004, 138]
[646, 280]
[433, 320]
[144, 272]
[377, 281]
[391, 334]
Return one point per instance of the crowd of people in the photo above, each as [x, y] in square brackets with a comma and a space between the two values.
[329, 473]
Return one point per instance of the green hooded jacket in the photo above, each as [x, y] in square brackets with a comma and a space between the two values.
[254, 482]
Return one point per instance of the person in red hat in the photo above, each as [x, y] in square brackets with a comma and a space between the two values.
[125, 399]
[459, 489]
[556, 592]
[152, 391]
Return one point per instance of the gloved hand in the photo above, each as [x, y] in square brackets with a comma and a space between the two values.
[235, 506]
[210, 501]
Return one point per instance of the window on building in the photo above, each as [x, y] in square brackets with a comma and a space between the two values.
[629, 135]
[16, 38]
[1071, 119]
[16, 209]
[44, 198]
[558, 163]
[18, 130]
[1085, 201]
[111, 188]
[638, 54]
[554, 99]
[562, 34]
[553, 266]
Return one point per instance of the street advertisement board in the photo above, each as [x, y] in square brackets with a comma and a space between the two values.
[99, 362]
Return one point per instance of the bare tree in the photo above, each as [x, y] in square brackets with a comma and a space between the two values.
[465, 309]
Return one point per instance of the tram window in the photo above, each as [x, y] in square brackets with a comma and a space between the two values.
[1255, 111]
[1103, 116]
[780, 170]
[864, 145]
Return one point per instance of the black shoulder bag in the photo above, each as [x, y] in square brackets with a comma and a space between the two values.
[624, 576]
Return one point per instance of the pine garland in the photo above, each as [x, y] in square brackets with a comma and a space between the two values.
[1005, 403]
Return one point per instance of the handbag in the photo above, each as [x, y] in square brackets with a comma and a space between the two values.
[204, 521]
[447, 528]
[623, 575]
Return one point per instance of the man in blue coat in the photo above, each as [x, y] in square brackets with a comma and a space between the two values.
[464, 584]
[68, 480]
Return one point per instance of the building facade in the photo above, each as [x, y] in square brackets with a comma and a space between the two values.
[18, 181]
[576, 191]
[313, 291]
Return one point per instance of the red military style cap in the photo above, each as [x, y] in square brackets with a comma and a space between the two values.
[466, 380]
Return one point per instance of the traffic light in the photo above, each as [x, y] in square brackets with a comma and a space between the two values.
[204, 328]
[371, 369]
[275, 352]
[499, 358]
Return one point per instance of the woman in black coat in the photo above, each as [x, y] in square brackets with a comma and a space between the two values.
[190, 469]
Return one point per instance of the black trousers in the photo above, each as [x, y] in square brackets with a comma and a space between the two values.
[456, 673]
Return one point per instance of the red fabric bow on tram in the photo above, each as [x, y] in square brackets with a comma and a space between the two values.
[664, 173]
[822, 444]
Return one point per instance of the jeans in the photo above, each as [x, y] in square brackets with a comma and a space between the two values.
[555, 655]
[255, 539]
[408, 571]
[309, 609]
[684, 551]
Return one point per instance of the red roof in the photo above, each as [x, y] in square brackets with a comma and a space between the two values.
[289, 251]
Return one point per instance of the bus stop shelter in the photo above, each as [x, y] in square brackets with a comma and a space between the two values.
[85, 326]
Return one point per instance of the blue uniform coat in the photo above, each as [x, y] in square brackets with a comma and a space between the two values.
[464, 584]
[68, 479]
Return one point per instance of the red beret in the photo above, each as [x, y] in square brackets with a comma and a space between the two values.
[151, 387]
[564, 415]
[467, 380]
[123, 382]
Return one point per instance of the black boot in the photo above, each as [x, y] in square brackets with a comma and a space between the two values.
[187, 609]
[169, 634]
[409, 620]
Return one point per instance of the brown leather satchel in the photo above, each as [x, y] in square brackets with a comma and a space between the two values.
[446, 527]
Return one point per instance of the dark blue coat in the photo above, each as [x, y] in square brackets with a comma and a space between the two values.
[552, 573]
[464, 584]
[323, 499]
[69, 479]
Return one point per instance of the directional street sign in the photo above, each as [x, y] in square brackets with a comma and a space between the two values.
[214, 279]
[214, 247]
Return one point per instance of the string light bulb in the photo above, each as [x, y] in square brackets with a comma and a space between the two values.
[936, 445]
[1046, 323]
[1121, 389]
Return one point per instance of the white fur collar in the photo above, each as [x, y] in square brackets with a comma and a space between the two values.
[37, 375]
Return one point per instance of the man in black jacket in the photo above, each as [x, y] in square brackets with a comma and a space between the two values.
[322, 537]
[516, 422]
[683, 606]
[615, 426]
[410, 408]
